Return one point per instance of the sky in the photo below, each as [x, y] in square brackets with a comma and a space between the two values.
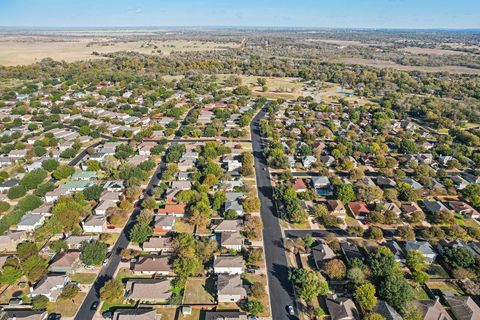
[428, 14]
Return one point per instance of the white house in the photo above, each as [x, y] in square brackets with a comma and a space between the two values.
[228, 264]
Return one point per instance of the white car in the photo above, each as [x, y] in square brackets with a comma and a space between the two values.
[291, 311]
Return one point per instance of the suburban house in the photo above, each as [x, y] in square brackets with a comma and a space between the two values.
[397, 251]
[341, 308]
[10, 240]
[75, 241]
[322, 253]
[222, 315]
[103, 206]
[228, 226]
[154, 264]
[65, 262]
[387, 311]
[164, 223]
[177, 210]
[158, 244]
[432, 310]
[432, 206]
[464, 209]
[228, 264]
[23, 314]
[148, 290]
[94, 224]
[299, 185]
[351, 251]
[30, 222]
[308, 161]
[235, 206]
[359, 210]
[50, 286]
[231, 240]
[230, 288]
[463, 307]
[115, 185]
[337, 208]
[134, 314]
[424, 247]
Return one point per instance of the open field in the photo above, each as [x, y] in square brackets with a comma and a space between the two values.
[434, 51]
[27, 52]
[277, 87]
[390, 64]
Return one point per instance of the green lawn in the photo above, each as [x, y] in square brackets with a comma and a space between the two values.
[84, 278]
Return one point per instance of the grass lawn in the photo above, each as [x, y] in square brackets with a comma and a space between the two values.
[109, 238]
[420, 294]
[66, 307]
[436, 271]
[199, 291]
[231, 306]
[84, 278]
[183, 226]
[115, 305]
[438, 287]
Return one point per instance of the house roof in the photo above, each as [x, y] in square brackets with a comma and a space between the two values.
[148, 289]
[65, 259]
[387, 311]
[158, 263]
[432, 310]
[158, 242]
[321, 253]
[23, 315]
[225, 315]
[228, 262]
[341, 308]
[134, 314]
[164, 220]
[49, 283]
[464, 308]
[231, 238]
[172, 209]
[358, 208]
[422, 246]
[298, 184]
[228, 225]
[230, 285]
[31, 219]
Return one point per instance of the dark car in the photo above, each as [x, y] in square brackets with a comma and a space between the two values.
[54, 316]
[94, 306]
[107, 315]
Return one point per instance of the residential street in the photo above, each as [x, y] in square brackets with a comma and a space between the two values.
[281, 290]
[108, 271]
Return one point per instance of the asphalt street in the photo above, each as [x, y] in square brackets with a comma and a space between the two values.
[281, 289]
[108, 271]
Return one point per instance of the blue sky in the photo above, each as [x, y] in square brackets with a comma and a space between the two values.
[279, 13]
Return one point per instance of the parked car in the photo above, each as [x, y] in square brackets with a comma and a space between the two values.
[54, 316]
[107, 315]
[291, 311]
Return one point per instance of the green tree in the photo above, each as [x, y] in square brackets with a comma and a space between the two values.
[396, 291]
[253, 306]
[374, 316]
[460, 257]
[472, 193]
[416, 261]
[39, 302]
[50, 165]
[32, 179]
[335, 269]
[344, 192]
[308, 284]
[93, 193]
[112, 291]
[365, 296]
[93, 252]
[10, 274]
[407, 146]
[140, 233]
[63, 171]
[16, 192]
[70, 291]
[4, 206]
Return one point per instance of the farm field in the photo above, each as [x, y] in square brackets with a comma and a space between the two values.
[27, 52]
